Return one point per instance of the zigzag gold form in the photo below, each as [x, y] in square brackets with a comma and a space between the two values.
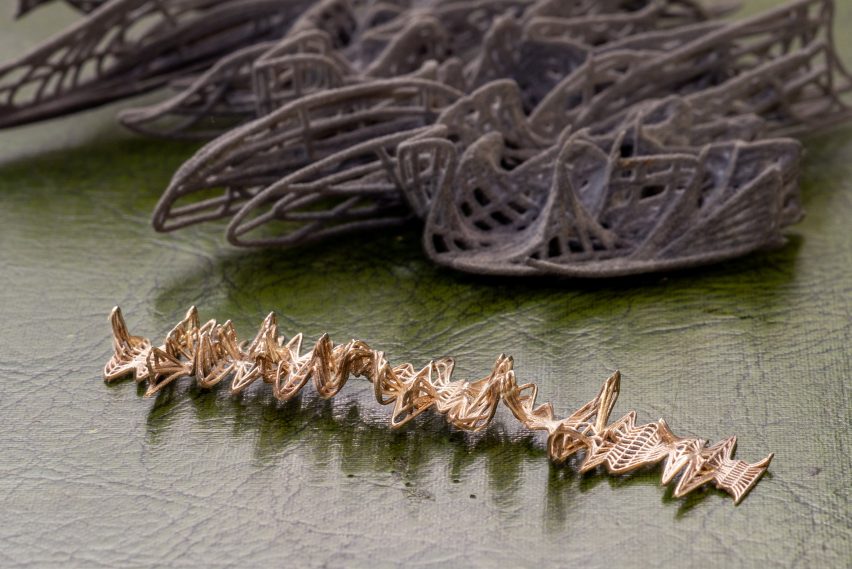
[211, 353]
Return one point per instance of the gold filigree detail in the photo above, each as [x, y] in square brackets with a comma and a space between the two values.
[211, 353]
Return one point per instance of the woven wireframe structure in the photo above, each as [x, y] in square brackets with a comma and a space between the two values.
[211, 354]
[529, 137]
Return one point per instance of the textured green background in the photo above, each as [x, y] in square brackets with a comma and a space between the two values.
[95, 475]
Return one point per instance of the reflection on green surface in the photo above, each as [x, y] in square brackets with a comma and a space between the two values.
[97, 475]
[361, 445]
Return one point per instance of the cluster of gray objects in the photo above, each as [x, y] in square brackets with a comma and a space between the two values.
[583, 138]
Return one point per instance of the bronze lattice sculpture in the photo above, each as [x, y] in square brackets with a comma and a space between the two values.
[211, 354]
[581, 138]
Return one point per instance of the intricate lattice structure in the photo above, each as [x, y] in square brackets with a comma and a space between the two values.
[664, 189]
[583, 138]
[211, 354]
[292, 158]
[337, 43]
[128, 47]
[511, 182]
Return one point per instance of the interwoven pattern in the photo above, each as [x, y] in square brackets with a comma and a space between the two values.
[336, 43]
[530, 137]
[303, 139]
[131, 46]
[565, 158]
[664, 189]
[211, 354]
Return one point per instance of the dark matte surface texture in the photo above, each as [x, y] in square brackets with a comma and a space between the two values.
[94, 475]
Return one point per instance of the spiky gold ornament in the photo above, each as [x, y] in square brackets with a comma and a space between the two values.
[210, 353]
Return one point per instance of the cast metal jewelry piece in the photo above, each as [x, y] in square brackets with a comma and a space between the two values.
[210, 353]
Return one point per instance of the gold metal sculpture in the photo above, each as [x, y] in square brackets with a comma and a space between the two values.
[211, 353]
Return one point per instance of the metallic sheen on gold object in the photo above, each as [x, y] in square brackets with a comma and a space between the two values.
[211, 353]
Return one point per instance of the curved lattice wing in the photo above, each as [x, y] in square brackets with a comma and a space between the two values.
[131, 46]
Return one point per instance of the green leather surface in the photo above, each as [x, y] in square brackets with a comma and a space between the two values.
[94, 475]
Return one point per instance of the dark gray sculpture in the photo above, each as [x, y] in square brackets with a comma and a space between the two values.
[330, 147]
[579, 138]
[330, 45]
[127, 47]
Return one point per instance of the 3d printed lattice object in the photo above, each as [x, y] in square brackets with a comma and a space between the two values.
[583, 138]
[211, 354]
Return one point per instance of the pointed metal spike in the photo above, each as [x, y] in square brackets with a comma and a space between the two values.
[608, 396]
[119, 326]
